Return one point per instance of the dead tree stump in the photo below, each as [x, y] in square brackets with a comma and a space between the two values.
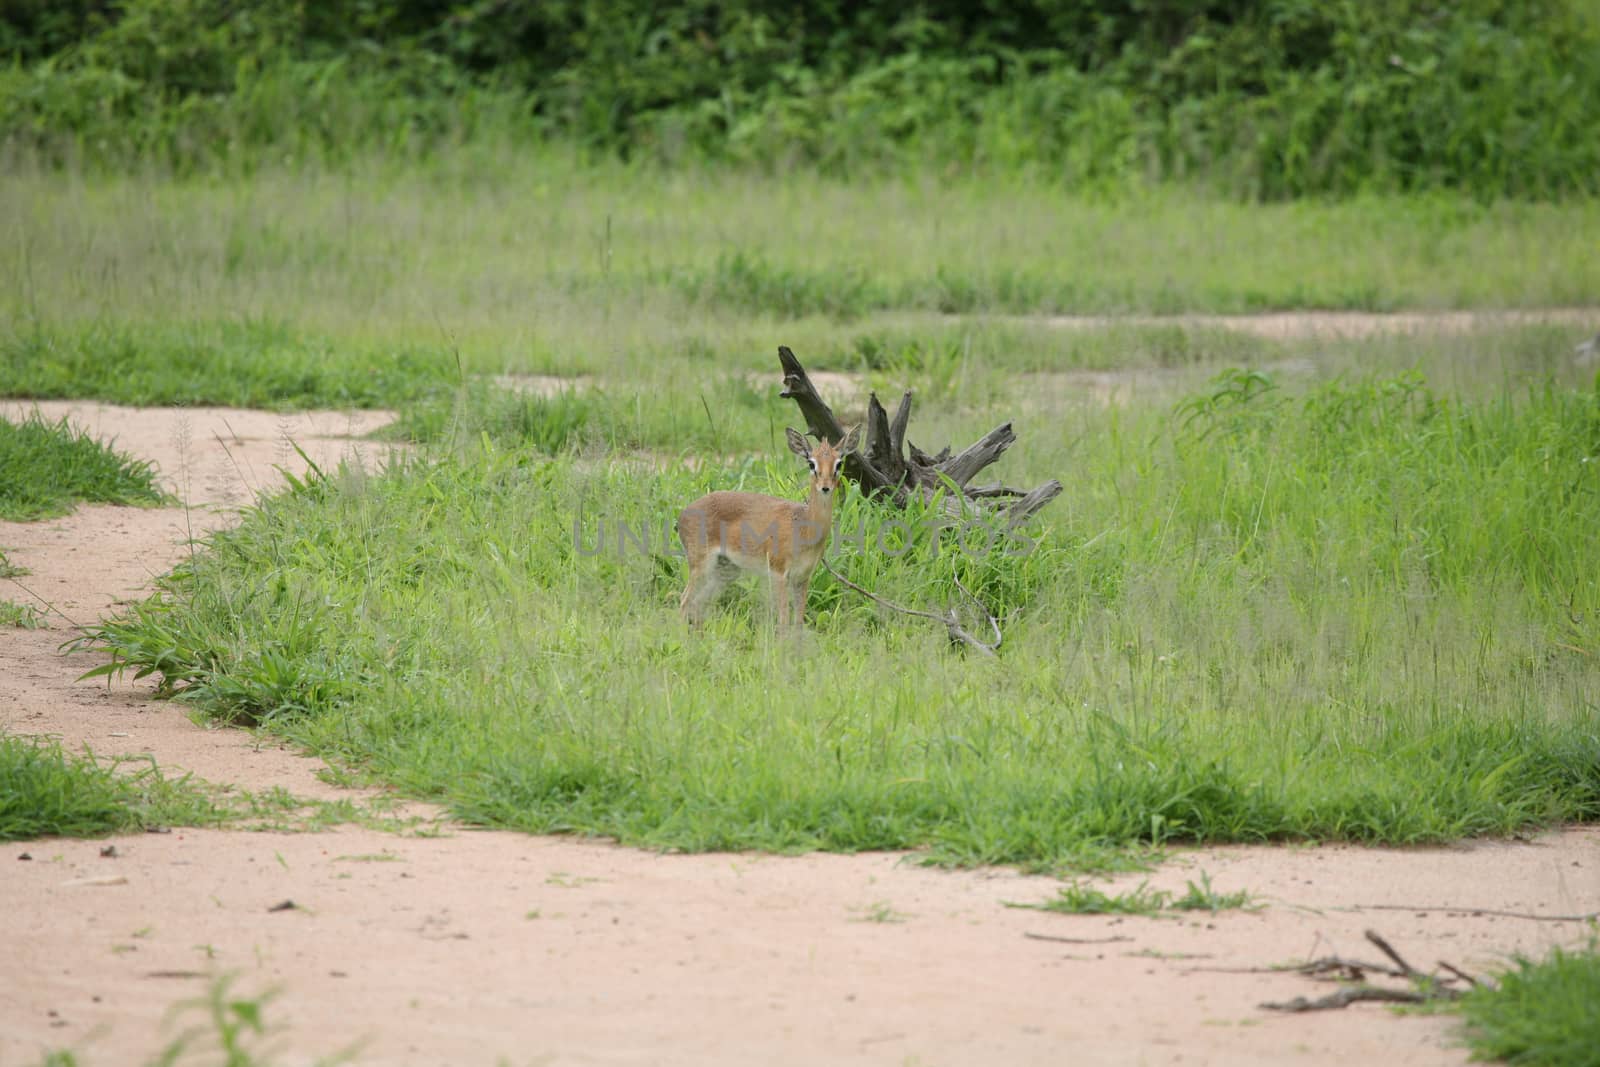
[889, 467]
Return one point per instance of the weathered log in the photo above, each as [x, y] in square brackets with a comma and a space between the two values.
[823, 425]
[1025, 508]
[876, 444]
[897, 425]
[881, 467]
[979, 455]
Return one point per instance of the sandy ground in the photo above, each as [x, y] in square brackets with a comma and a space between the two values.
[1290, 325]
[476, 947]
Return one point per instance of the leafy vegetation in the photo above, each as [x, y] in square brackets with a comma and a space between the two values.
[1267, 98]
[46, 791]
[47, 467]
[1266, 613]
[1541, 1012]
[22, 616]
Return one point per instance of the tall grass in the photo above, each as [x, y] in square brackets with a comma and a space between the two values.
[241, 363]
[1362, 611]
[538, 262]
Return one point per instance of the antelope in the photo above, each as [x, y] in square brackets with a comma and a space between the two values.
[724, 533]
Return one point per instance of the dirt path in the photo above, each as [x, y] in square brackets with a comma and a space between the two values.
[468, 948]
[1295, 325]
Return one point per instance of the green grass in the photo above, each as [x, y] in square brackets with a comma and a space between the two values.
[248, 363]
[21, 616]
[223, 1025]
[46, 792]
[1358, 609]
[1078, 898]
[1542, 1013]
[1346, 591]
[533, 261]
[45, 468]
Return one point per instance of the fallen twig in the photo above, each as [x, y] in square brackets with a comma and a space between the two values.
[1459, 973]
[1348, 996]
[1076, 940]
[1425, 987]
[958, 633]
[1399, 961]
[1355, 969]
[1590, 917]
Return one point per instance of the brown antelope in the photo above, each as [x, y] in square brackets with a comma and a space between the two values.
[724, 533]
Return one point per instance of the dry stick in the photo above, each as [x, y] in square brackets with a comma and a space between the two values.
[1311, 968]
[1427, 986]
[957, 632]
[992, 620]
[1345, 997]
[49, 607]
[1459, 973]
[1399, 961]
[1590, 917]
[1356, 968]
[1076, 940]
[229, 453]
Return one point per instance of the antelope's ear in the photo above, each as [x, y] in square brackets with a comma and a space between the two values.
[851, 440]
[797, 442]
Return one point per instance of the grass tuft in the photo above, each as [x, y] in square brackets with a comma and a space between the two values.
[49, 792]
[20, 616]
[1078, 898]
[1542, 1012]
[244, 363]
[47, 467]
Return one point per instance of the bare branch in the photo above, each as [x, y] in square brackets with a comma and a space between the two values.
[979, 454]
[1399, 961]
[958, 633]
[1348, 996]
[1466, 910]
[897, 425]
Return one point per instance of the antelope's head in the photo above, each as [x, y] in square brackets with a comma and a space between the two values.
[824, 460]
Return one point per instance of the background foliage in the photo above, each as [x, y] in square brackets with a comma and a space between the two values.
[1258, 98]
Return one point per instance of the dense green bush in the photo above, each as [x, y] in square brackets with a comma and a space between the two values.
[1261, 98]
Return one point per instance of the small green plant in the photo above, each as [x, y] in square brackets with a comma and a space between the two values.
[20, 616]
[9, 569]
[1202, 897]
[1540, 1012]
[1078, 898]
[880, 911]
